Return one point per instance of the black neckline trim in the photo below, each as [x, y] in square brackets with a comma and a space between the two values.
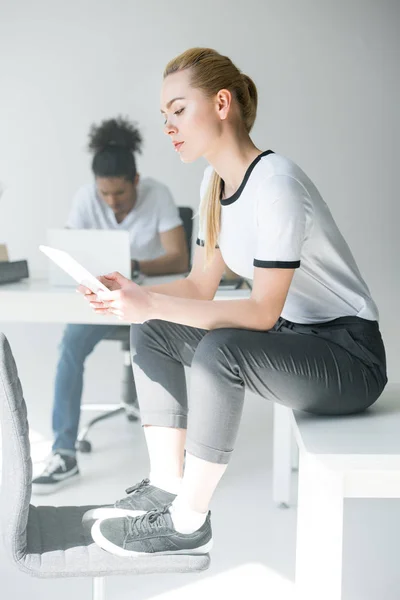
[236, 195]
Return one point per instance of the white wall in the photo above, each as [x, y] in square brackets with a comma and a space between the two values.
[328, 78]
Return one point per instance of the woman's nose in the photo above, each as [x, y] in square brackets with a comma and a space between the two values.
[169, 128]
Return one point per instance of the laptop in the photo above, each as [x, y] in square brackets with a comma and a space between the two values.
[100, 251]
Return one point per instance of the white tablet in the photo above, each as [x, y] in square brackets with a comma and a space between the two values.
[74, 269]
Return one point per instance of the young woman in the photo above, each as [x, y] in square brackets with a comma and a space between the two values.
[116, 199]
[307, 337]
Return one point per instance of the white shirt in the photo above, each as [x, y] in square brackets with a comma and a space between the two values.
[153, 213]
[278, 219]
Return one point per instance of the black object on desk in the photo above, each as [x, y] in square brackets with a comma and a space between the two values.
[11, 271]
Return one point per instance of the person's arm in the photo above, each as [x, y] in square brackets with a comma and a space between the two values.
[201, 282]
[78, 216]
[260, 312]
[172, 236]
[175, 259]
[189, 301]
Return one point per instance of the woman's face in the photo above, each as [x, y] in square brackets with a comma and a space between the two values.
[191, 120]
[119, 193]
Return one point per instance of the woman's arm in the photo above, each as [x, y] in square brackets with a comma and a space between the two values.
[259, 312]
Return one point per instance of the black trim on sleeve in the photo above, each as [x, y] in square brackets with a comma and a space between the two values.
[235, 196]
[276, 264]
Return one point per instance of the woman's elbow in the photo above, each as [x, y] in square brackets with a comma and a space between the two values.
[264, 321]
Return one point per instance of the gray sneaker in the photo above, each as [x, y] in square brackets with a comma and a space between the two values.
[150, 534]
[141, 498]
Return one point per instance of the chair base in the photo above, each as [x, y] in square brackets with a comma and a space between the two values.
[132, 414]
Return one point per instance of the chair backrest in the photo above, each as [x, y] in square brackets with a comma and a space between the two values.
[16, 455]
[186, 214]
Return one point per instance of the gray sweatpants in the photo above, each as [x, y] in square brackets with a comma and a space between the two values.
[333, 368]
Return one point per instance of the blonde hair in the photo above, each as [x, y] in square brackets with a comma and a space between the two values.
[212, 72]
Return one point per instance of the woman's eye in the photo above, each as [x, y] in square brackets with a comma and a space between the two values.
[177, 112]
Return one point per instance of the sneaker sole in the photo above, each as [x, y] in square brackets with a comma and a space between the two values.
[110, 513]
[41, 489]
[105, 544]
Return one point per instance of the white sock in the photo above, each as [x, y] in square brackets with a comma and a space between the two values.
[169, 484]
[185, 519]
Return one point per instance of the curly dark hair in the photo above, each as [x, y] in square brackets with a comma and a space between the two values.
[114, 143]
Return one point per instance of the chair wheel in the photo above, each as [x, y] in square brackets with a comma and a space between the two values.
[131, 417]
[84, 446]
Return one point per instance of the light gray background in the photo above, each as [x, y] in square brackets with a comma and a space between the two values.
[328, 77]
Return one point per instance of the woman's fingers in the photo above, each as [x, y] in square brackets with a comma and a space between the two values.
[102, 306]
[109, 303]
[109, 283]
[95, 304]
[118, 279]
[109, 311]
[82, 289]
[91, 298]
[117, 312]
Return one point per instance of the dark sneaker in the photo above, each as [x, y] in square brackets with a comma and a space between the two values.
[150, 534]
[60, 470]
[141, 497]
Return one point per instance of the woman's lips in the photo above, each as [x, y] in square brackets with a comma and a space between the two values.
[178, 146]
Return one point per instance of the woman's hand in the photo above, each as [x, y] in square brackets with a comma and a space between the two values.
[126, 300]
[91, 297]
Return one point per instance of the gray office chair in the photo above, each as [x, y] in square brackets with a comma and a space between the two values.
[128, 404]
[50, 541]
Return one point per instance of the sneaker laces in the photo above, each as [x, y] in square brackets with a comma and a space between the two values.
[152, 521]
[137, 486]
[55, 462]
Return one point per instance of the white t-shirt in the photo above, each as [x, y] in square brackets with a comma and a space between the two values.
[154, 212]
[278, 219]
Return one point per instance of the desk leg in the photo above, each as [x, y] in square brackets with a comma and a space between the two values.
[319, 531]
[98, 588]
[295, 454]
[282, 455]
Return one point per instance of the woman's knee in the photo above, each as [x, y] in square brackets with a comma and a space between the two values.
[145, 335]
[215, 349]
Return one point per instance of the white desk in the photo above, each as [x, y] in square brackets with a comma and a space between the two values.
[35, 301]
[353, 456]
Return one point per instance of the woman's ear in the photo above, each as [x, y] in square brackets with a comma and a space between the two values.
[223, 101]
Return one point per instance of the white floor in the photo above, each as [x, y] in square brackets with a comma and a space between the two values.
[254, 541]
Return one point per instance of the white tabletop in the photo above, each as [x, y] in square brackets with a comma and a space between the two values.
[35, 301]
